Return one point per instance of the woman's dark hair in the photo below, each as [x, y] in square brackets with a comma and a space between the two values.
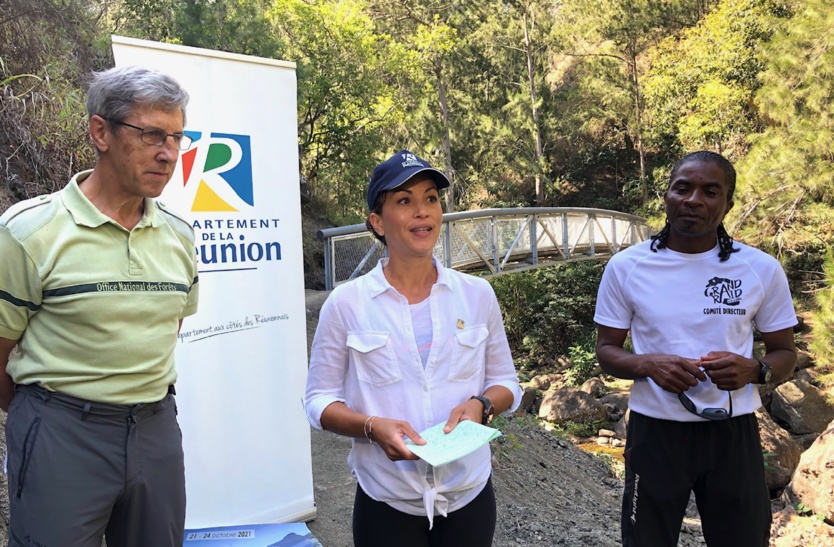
[725, 242]
[380, 200]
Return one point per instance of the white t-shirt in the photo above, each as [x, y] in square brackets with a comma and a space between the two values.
[364, 354]
[688, 305]
[421, 320]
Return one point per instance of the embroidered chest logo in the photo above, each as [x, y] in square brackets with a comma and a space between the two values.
[724, 291]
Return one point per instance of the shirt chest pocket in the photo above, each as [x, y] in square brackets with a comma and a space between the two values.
[373, 358]
[468, 354]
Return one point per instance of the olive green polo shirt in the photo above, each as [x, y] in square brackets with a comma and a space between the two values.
[96, 307]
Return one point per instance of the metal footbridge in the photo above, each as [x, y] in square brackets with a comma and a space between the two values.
[496, 241]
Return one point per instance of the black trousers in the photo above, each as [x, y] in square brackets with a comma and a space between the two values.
[377, 524]
[720, 461]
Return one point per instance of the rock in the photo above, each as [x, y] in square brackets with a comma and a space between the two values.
[617, 443]
[803, 359]
[603, 441]
[528, 400]
[809, 375]
[563, 363]
[802, 407]
[543, 382]
[790, 530]
[806, 440]
[619, 399]
[593, 387]
[570, 405]
[782, 452]
[606, 433]
[813, 481]
[620, 427]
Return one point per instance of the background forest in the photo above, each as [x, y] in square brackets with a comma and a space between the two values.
[521, 102]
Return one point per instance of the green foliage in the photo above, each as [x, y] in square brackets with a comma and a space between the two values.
[584, 429]
[805, 511]
[43, 138]
[583, 361]
[767, 456]
[822, 343]
[699, 90]
[786, 186]
[549, 310]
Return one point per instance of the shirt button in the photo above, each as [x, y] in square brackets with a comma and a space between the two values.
[425, 388]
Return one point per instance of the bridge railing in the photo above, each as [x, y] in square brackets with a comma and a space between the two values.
[495, 241]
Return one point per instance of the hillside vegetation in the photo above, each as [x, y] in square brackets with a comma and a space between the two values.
[522, 102]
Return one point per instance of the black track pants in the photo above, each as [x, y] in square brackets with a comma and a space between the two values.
[720, 461]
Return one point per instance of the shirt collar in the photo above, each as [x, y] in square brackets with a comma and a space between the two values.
[84, 213]
[378, 284]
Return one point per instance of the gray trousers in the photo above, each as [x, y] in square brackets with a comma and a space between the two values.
[80, 470]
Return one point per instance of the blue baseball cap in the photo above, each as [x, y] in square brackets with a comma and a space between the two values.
[399, 169]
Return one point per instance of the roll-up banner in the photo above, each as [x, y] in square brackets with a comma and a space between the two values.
[242, 359]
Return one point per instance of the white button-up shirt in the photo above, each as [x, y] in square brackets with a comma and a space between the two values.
[364, 355]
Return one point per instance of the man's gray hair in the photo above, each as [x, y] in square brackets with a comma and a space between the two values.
[114, 93]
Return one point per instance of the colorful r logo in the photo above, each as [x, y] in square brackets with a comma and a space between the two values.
[225, 181]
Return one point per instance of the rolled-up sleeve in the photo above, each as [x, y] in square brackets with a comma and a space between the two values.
[500, 369]
[328, 364]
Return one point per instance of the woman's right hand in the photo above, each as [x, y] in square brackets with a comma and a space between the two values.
[389, 433]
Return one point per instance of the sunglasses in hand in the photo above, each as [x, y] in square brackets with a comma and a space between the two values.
[714, 414]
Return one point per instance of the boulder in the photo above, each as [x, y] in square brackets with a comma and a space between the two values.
[618, 399]
[543, 382]
[802, 406]
[593, 387]
[806, 440]
[804, 360]
[790, 530]
[620, 427]
[528, 401]
[813, 481]
[809, 375]
[782, 452]
[570, 405]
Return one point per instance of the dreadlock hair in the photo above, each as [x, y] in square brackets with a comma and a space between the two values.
[725, 242]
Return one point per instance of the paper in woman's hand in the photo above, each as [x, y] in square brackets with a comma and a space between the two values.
[442, 448]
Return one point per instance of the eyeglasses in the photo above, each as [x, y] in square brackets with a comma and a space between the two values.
[714, 414]
[157, 137]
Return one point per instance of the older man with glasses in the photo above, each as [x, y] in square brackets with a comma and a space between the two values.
[95, 282]
[690, 298]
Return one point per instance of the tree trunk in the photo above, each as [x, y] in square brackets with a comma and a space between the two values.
[638, 132]
[444, 128]
[528, 50]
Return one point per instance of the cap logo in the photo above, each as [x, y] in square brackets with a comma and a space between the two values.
[410, 160]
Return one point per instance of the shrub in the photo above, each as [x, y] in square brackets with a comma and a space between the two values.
[549, 310]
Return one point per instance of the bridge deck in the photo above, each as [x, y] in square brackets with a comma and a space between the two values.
[496, 241]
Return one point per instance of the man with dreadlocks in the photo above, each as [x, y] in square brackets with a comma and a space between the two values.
[690, 298]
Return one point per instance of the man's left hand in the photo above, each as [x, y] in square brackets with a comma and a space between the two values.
[730, 371]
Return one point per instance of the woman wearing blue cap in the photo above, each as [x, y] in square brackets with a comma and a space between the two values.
[409, 345]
